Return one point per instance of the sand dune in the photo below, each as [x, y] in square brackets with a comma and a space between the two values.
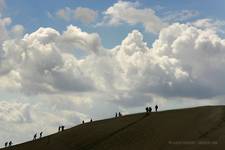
[200, 128]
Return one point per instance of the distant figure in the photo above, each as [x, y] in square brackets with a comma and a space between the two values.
[120, 115]
[91, 120]
[149, 109]
[41, 134]
[35, 136]
[59, 128]
[83, 122]
[62, 128]
[10, 143]
[156, 108]
[6, 144]
[116, 115]
[146, 109]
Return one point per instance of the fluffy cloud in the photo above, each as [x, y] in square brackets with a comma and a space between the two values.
[214, 25]
[85, 15]
[43, 65]
[14, 112]
[129, 12]
[73, 38]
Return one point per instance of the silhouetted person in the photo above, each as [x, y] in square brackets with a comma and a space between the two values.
[35, 136]
[149, 109]
[91, 120]
[6, 144]
[10, 143]
[116, 115]
[59, 128]
[63, 128]
[120, 115]
[41, 134]
[156, 108]
[146, 109]
[83, 122]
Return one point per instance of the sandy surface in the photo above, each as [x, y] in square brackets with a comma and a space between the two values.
[200, 128]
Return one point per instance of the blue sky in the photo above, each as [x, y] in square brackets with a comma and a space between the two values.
[64, 61]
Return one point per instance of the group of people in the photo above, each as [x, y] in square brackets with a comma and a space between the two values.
[61, 128]
[149, 109]
[118, 115]
[35, 135]
[8, 143]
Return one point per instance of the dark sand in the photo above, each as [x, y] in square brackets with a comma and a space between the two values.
[200, 128]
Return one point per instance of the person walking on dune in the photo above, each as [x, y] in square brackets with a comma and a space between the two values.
[156, 108]
[149, 109]
[41, 134]
[146, 109]
[6, 144]
[35, 136]
[10, 143]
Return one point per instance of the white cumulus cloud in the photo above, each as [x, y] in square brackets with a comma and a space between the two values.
[129, 12]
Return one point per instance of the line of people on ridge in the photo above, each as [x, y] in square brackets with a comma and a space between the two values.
[149, 109]
[8, 144]
[61, 128]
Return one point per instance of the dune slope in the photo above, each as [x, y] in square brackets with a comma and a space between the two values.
[198, 128]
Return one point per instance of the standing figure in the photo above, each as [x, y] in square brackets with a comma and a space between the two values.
[116, 115]
[149, 109]
[10, 143]
[146, 109]
[59, 128]
[35, 136]
[6, 144]
[156, 108]
[41, 134]
[63, 128]
[83, 122]
[91, 120]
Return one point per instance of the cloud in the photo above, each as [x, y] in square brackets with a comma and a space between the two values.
[85, 15]
[215, 25]
[82, 14]
[17, 31]
[179, 16]
[129, 12]
[42, 66]
[74, 37]
[14, 112]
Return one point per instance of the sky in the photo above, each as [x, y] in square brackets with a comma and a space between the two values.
[64, 61]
